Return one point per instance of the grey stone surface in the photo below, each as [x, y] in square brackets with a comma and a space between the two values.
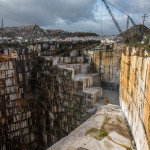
[106, 130]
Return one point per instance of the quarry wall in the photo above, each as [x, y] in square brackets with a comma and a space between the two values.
[61, 100]
[53, 94]
[108, 64]
[17, 125]
[135, 94]
[32, 93]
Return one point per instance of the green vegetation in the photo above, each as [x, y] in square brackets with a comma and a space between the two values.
[62, 76]
[81, 148]
[72, 109]
[146, 46]
[15, 45]
[99, 134]
[80, 96]
[133, 38]
[129, 149]
[135, 45]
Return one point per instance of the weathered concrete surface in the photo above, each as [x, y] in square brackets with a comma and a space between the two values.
[106, 130]
[135, 94]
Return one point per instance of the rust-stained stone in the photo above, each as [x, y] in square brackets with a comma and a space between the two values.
[108, 63]
[135, 94]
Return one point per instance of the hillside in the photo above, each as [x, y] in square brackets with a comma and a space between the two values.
[131, 31]
[34, 31]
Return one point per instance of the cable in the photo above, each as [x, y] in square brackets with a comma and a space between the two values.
[116, 23]
[102, 19]
[116, 8]
[112, 16]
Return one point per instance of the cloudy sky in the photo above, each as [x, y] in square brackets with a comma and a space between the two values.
[72, 15]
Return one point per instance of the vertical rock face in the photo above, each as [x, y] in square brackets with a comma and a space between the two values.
[16, 116]
[61, 101]
[135, 94]
[108, 64]
[41, 102]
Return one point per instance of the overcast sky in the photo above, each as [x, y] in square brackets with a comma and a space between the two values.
[72, 15]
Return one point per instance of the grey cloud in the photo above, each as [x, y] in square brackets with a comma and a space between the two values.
[135, 8]
[45, 12]
[71, 15]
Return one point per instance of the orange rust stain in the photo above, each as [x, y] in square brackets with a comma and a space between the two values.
[133, 70]
[107, 60]
[125, 77]
[135, 87]
[147, 108]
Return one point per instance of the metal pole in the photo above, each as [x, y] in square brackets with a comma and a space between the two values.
[2, 30]
[144, 19]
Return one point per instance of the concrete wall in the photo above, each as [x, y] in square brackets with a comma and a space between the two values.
[135, 94]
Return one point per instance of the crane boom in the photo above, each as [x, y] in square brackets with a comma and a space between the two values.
[127, 23]
[137, 29]
[113, 18]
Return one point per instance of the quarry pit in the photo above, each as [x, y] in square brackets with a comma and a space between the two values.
[74, 96]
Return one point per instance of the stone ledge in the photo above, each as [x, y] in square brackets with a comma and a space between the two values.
[106, 130]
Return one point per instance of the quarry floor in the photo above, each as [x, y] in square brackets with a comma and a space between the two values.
[113, 98]
[106, 130]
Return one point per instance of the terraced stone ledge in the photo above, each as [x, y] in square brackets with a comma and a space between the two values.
[106, 130]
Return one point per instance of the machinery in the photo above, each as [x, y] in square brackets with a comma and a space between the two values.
[107, 101]
[114, 20]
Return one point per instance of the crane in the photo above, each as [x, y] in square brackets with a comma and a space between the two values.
[114, 19]
[111, 14]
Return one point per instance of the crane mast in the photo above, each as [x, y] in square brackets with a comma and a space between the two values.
[113, 18]
[137, 29]
[128, 19]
